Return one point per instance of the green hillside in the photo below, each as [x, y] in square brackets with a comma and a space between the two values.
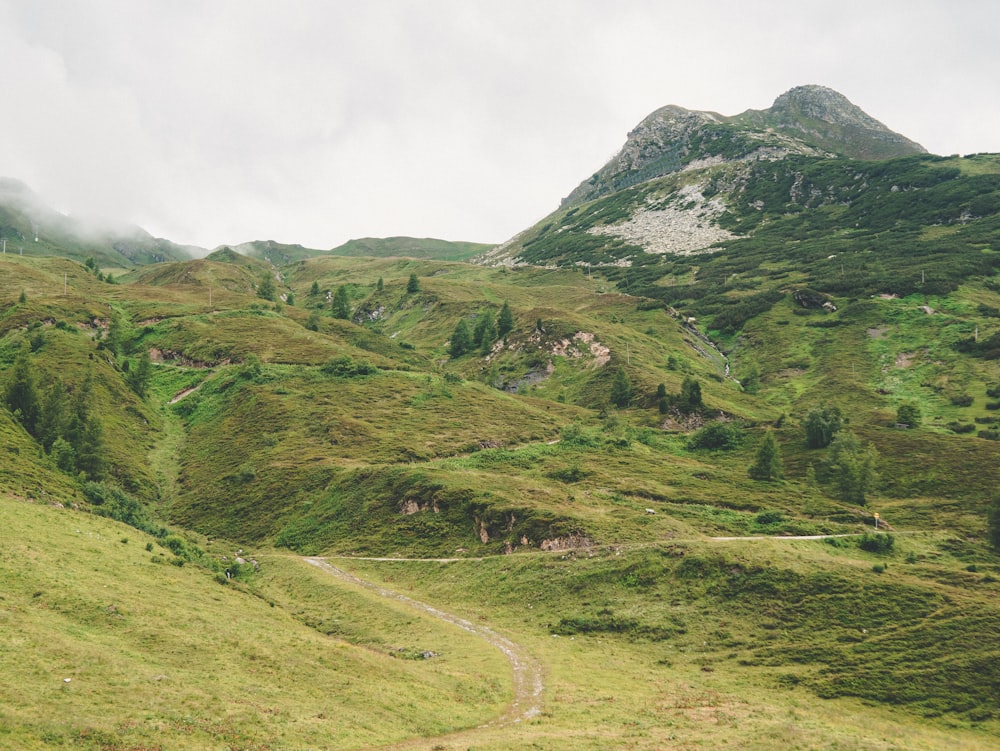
[706, 459]
[410, 247]
[281, 427]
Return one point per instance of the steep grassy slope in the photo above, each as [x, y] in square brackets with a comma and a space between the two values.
[107, 646]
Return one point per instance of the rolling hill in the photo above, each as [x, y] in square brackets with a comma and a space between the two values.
[646, 441]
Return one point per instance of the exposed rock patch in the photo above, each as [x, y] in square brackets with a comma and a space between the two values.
[684, 226]
[569, 542]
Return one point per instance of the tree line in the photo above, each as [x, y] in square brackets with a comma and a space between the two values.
[62, 420]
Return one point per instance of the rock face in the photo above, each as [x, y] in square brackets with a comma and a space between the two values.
[829, 120]
[807, 120]
[821, 103]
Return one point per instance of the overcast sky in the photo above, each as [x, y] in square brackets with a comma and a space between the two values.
[316, 121]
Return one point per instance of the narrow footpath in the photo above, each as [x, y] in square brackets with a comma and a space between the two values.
[527, 672]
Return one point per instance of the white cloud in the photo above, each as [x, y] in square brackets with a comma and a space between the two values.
[313, 122]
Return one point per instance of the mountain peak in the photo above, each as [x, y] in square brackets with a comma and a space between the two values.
[806, 120]
[827, 119]
[821, 103]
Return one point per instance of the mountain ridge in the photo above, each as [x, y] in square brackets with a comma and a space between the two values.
[806, 120]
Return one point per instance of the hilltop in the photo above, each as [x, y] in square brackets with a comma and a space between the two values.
[655, 430]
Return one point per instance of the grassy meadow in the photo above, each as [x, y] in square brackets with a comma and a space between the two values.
[581, 530]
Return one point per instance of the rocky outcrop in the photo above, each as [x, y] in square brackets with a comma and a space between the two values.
[808, 120]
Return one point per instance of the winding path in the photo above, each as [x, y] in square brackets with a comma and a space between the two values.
[527, 671]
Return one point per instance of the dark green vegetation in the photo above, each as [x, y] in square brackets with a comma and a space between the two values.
[576, 435]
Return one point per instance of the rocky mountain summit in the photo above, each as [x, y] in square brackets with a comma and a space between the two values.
[807, 120]
[826, 118]
[687, 182]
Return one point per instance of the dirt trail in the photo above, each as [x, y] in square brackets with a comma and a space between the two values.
[527, 702]
[181, 394]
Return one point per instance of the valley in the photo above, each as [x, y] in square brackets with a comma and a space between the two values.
[611, 484]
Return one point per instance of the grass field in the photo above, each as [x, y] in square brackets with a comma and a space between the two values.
[112, 647]
[281, 430]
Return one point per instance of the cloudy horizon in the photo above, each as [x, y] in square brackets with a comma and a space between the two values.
[313, 122]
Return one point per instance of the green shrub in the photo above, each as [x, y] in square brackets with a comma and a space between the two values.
[347, 367]
[821, 425]
[116, 504]
[765, 518]
[877, 542]
[573, 473]
[723, 436]
[909, 415]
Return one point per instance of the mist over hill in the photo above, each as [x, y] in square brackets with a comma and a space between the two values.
[31, 227]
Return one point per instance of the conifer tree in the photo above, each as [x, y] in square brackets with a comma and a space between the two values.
[266, 289]
[85, 433]
[63, 455]
[413, 285]
[821, 426]
[55, 415]
[505, 321]
[908, 414]
[115, 338]
[852, 467]
[690, 398]
[662, 401]
[380, 285]
[22, 394]
[314, 290]
[341, 303]
[90, 453]
[767, 465]
[461, 339]
[621, 388]
[485, 331]
[139, 374]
